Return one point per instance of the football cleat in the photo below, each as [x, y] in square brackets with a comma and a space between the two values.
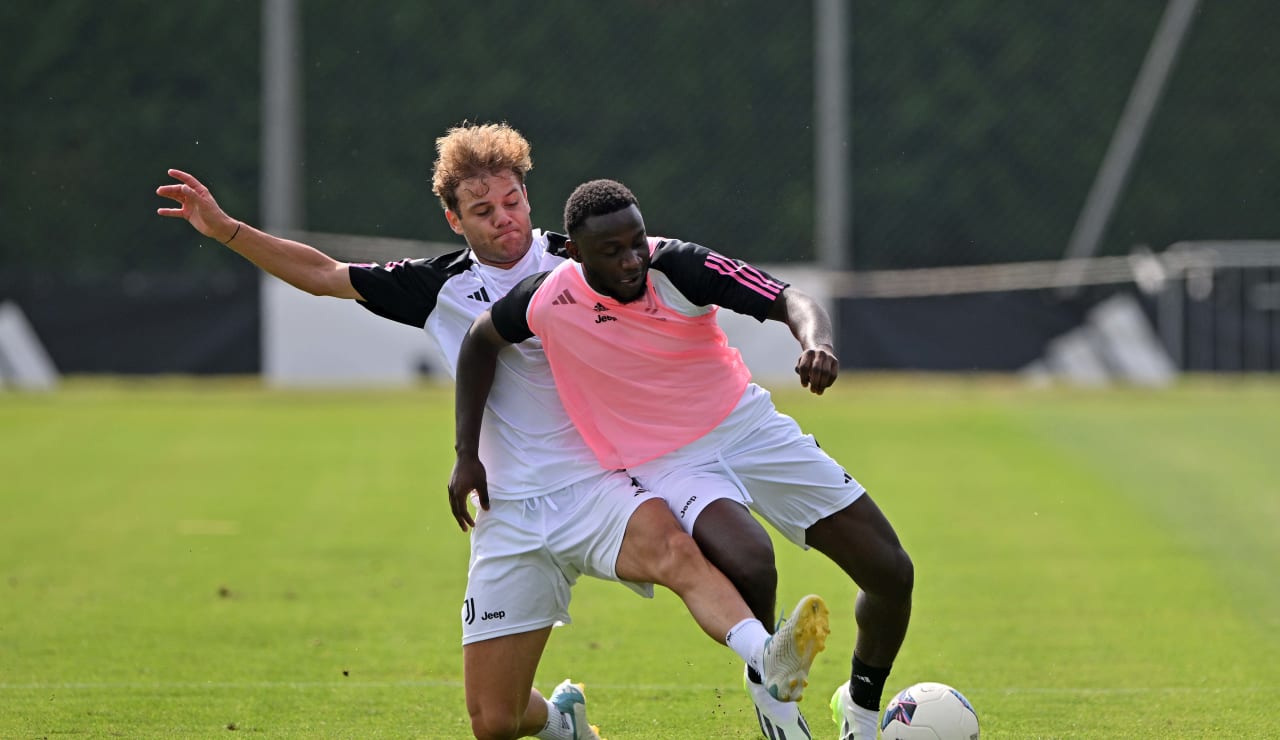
[790, 650]
[569, 699]
[779, 720]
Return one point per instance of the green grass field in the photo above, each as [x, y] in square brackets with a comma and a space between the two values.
[205, 560]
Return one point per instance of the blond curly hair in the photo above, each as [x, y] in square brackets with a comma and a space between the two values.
[471, 149]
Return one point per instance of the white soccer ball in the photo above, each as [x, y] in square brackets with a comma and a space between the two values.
[929, 711]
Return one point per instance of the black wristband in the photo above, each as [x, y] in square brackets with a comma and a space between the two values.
[233, 234]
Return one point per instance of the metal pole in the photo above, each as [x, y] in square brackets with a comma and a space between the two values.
[281, 157]
[1169, 317]
[1126, 141]
[833, 202]
[281, 198]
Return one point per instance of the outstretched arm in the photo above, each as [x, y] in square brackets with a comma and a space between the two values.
[811, 326]
[477, 360]
[298, 264]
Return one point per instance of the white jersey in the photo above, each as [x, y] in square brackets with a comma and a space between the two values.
[527, 443]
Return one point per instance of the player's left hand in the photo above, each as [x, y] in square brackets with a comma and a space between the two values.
[818, 368]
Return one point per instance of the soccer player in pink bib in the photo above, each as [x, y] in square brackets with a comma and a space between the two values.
[648, 378]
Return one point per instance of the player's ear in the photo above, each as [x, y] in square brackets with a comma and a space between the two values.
[572, 249]
[455, 223]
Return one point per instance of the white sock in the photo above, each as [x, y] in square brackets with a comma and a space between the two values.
[865, 721]
[747, 639]
[559, 726]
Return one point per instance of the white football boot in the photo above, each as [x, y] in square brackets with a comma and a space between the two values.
[779, 720]
[568, 698]
[790, 650]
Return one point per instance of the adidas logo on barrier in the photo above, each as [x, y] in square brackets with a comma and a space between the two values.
[563, 299]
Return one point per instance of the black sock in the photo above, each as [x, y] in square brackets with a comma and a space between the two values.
[754, 676]
[867, 684]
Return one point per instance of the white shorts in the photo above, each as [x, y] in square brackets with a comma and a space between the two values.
[759, 457]
[527, 554]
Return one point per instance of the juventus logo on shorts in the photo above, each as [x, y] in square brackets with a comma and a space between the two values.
[468, 611]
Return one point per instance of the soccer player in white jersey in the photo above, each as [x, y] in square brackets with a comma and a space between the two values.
[649, 379]
[550, 513]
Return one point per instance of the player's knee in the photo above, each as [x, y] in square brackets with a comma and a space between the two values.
[494, 724]
[751, 566]
[680, 558]
[901, 577]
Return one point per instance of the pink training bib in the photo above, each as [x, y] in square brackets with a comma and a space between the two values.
[638, 379]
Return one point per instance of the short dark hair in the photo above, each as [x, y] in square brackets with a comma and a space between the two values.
[596, 198]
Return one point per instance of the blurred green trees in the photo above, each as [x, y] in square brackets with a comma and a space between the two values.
[977, 126]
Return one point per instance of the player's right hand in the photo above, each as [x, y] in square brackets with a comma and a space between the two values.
[197, 206]
[468, 477]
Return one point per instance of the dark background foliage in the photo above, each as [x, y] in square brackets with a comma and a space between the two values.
[977, 127]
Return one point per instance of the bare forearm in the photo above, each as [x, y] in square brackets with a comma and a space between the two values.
[298, 264]
[813, 330]
[809, 323]
[293, 262]
[477, 361]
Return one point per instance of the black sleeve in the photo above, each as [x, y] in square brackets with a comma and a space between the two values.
[708, 278]
[406, 290]
[511, 312]
[555, 244]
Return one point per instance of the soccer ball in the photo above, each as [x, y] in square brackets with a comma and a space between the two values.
[929, 711]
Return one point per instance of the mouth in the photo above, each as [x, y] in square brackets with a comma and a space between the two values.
[508, 235]
[629, 289]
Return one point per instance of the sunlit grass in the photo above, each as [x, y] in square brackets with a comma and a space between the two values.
[182, 559]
